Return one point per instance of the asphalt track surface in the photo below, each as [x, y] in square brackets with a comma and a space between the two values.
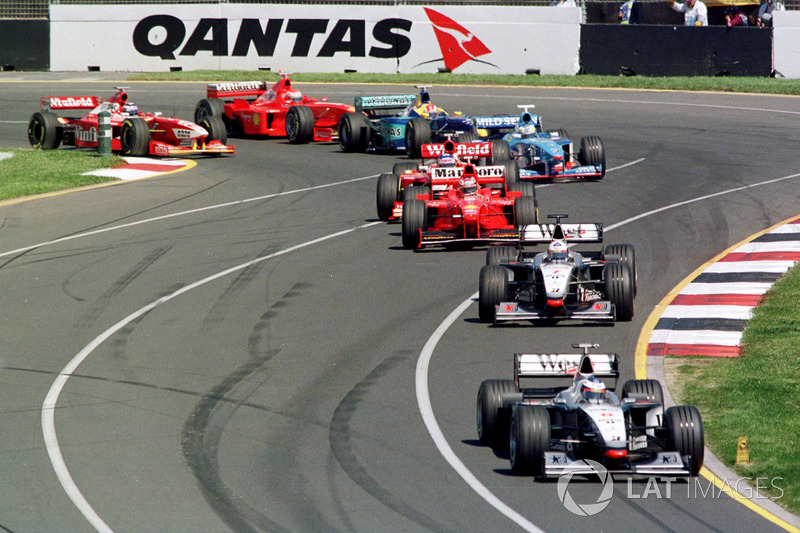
[245, 336]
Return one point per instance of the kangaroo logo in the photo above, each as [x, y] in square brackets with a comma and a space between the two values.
[458, 44]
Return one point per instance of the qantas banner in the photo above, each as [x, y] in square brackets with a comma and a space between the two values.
[316, 38]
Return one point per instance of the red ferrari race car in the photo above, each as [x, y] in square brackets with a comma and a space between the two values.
[441, 163]
[254, 108]
[466, 213]
[132, 133]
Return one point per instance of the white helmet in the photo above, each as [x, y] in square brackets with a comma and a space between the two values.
[593, 390]
[468, 185]
[558, 251]
[527, 129]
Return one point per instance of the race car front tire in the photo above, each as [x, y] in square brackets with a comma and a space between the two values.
[649, 389]
[496, 255]
[354, 132]
[593, 153]
[135, 137]
[401, 167]
[525, 211]
[415, 215]
[685, 428]
[299, 124]
[208, 107]
[511, 172]
[43, 131]
[525, 187]
[467, 137]
[387, 194]
[501, 152]
[528, 439]
[560, 133]
[215, 128]
[623, 253]
[418, 132]
[491, 418]
[492, 289]
[619, 290]
[411, 193]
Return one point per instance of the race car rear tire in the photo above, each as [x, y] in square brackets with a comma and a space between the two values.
[643, 388]
[593, 153]
[467, 137]
[299, 124]
[500, 152]
[388, 193]
[491, 418]
[43, 131]
[525, 211]
[528, 438]
[500, 254]
[415, 216]
[511, 172]
[623, 253]
[418, 132]
[492, 289]
[135, 137]
[401, 167]
[411, 193]
[208, 107]
[215, 128]
[685, 428]
[618, 282]
[354, 132]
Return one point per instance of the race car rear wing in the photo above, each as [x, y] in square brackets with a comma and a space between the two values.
[565, 365]
[383, 105]
[236, 88]
[544, 233]
[463, 151]
[54, 103]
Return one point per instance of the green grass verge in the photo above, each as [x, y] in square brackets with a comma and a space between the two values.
[756, 395]
[30, 172]
[725, 84]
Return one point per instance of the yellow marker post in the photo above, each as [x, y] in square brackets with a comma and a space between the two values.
[742, 451]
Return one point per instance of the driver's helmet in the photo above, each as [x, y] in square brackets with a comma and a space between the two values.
[527, 129]
[558, 251]
[593, 390]
[468, 185]
[294, 96]
[446, 161]
[427, 110]
[131, 109]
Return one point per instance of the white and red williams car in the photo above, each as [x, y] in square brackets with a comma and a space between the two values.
[132, 133]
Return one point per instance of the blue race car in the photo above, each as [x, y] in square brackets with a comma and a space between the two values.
[545, 154]
[401, 123]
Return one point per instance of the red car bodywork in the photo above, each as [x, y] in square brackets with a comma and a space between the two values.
[449, 216]
[266, 114]
[166, 136]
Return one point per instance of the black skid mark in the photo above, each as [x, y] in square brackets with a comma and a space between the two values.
[102, 302]
[339, 433]
[200, 444]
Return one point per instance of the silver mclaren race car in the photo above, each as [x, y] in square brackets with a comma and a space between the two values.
[551, 431]
[558, 284]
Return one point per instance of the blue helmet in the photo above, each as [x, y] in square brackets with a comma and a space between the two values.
[446, 160]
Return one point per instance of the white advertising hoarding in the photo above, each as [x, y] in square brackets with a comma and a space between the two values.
[786, 43]
[316, 38]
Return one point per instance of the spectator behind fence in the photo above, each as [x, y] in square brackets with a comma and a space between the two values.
[695, 12]
[765, 12]
[735, 17]
[630, 13]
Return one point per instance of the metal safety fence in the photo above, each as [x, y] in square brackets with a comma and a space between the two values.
[39, 9]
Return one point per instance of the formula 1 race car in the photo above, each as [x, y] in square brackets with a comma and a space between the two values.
[400, 123]
[441, 163]
[467, 211]
[254, 108]
[132, 133]
[547, 155]
[559, 283]
[559, 430]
